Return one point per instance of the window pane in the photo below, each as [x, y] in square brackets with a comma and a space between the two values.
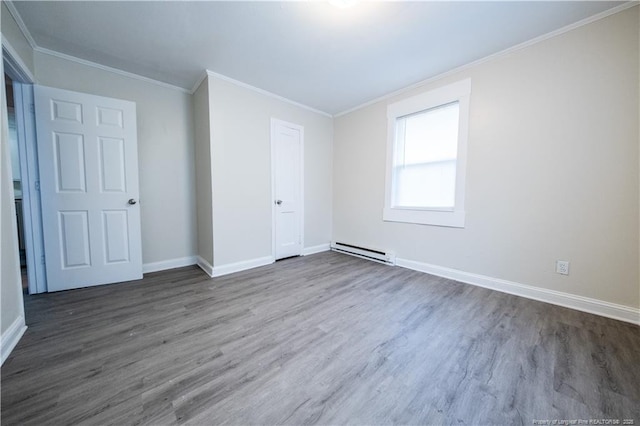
[425, 158]
[431, 135]
[426, 185]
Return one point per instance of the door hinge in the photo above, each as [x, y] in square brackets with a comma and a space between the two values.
[32, 108]
[42, 260]
[37, 184]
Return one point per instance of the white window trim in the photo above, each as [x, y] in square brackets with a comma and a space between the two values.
[461, 92]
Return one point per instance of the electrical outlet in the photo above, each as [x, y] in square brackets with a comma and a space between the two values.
[562, 267]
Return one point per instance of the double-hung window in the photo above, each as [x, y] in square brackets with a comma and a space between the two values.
[426, 157]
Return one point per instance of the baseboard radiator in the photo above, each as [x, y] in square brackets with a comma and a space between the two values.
[386, 257]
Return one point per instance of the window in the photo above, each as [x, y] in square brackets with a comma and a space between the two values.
[426, 157]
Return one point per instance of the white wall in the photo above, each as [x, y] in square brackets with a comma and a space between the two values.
[11, 283]
[12, 322]
[10, 290]
[552, 168]
[204, 195]
[241, 150]
[11, 307]
[165, 151]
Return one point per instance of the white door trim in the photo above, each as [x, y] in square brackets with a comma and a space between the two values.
[14, 66]
[25, 123]
[274, 124]
[32, 210]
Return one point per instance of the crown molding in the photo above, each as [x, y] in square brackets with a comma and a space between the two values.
[25, 31]
[199, 81]
[23, 28]
[27, 35]
[496, 55]
[264, 92]
[109, 69]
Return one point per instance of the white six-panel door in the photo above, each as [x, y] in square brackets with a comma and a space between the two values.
[88, 161]
[287, 146]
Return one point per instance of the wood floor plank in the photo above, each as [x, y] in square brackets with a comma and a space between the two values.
[322, 339]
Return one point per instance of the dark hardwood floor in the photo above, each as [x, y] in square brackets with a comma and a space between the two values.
[326, 339]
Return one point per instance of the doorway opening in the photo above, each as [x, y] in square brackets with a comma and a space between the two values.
[18, 82]
[17, 179]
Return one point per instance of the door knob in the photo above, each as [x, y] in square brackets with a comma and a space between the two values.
[278, 202]
[132, 201]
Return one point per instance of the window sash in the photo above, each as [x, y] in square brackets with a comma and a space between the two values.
[426, 185]
[402, 211]
[408, 193]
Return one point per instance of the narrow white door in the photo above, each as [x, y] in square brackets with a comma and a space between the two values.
[287, 145]
[88, 161]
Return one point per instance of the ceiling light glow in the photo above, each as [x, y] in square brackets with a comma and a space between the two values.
[343, 4]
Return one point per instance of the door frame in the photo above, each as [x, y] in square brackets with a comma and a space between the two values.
[23, 80]
[275, 122]
[32, 209]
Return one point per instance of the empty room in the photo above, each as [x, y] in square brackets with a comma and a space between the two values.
[320, 212]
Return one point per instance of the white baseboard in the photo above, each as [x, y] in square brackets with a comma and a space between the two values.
[316, 249]
[580, 303]
[168, 264]
[11, 337]
[230, 268]
[205, 266]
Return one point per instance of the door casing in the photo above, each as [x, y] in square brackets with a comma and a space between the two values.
[23, 81]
